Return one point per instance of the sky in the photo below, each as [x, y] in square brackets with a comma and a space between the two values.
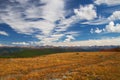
[60, 22]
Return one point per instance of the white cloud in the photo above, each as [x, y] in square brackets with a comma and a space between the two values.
[86, 12]
[73, 33]
[83, 13]
[27, 18]
[33, 12]
[4, 33]
[21, 43]
[51, 12]
[97, 22]
[108, 2]
[56, 36]
[101, 42]
[98, 30]
[113, 17]
[48, 39]
[112, 28]
[69, 38]
[92, 42]
[65, 23]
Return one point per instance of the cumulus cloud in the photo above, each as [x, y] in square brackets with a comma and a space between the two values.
[4, 33]
[108, 2]
[86, 12]
[112, 28]
[115, 16]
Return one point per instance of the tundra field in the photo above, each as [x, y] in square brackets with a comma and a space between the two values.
[63, 66]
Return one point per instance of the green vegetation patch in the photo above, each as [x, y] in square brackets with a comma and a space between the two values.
[23, 53]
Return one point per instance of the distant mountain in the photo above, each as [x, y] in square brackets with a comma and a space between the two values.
[111, 50]
[44, 50]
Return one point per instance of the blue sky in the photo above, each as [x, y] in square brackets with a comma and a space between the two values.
[60, 22]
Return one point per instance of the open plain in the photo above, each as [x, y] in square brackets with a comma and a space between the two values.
[63, 66]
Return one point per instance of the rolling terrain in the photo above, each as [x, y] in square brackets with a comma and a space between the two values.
[26, 52]
[63, 66]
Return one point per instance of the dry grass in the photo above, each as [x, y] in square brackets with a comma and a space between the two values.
[63, 66]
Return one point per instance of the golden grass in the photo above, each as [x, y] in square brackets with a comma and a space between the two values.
[63, 66]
